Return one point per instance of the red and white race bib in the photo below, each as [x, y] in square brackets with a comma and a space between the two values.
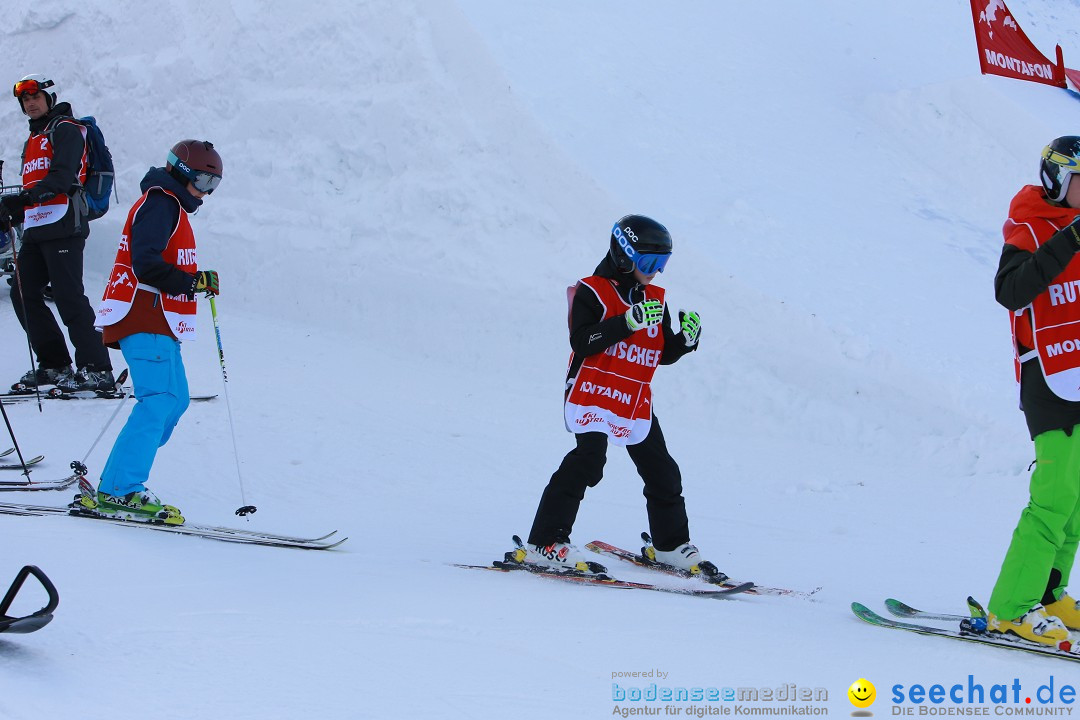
[179, 310]
[612, 392]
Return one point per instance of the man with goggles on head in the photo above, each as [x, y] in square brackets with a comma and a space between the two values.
[620, 331]
[53, 214]
[148, 309]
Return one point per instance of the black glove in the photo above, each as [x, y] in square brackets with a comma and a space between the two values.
[16, 202]
[5, 220]
[14, 205]
[1073, 232]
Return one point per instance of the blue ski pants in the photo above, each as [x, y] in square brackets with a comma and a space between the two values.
[161, 397]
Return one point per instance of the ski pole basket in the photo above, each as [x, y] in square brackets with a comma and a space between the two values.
[34, 621]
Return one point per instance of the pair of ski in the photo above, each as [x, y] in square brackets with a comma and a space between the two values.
[970, 628]
[17, 466]
[210, 532]
[724, 587]
[57, 394]
[20, 392]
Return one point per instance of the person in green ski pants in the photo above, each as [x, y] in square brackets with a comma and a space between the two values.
[1037, 280]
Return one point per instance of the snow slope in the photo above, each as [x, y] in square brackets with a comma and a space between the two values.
[409, 188]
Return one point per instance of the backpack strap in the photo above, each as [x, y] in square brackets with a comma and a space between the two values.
[49, 130]
[77, 193]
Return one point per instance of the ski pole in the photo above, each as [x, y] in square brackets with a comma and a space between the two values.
[14, 237]
[26, 470]
[17, 235]
[119, 381]
[244, 509]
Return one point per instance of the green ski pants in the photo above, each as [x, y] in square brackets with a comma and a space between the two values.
[1047, 535]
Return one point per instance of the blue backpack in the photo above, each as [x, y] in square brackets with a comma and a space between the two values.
[99, 166]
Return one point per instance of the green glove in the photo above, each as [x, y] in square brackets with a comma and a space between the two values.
[690, 322]
[644, 314]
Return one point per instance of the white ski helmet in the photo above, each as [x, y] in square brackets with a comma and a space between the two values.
[35, 83]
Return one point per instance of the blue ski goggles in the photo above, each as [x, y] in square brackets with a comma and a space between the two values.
[649, 263]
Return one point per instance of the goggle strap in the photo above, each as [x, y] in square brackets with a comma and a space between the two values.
[30, 87]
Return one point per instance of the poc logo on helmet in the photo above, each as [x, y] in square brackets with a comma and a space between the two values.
[624, 243]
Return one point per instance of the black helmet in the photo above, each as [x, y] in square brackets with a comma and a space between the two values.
[1060, 161]
[635, 235]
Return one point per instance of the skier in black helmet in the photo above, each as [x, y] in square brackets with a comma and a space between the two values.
[1036, 281]
[620, 331]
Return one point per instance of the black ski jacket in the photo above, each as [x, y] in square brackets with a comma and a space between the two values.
[68, 147]
[1021, 277]
[153, 226]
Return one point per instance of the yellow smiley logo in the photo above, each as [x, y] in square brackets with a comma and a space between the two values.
[862, 693]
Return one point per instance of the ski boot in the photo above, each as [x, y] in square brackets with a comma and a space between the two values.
[43, 376]
[686, 559]
[88, 378]
[138, 506]
[558, 557]
[1067, 610]
[1036, 625]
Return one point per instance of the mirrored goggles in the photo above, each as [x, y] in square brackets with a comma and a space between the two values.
[649, 263]
[1065, 161]
[30, 87]
[206, 182]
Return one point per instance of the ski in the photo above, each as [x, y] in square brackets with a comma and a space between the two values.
[604, 580]
[223, 534]
[30, 485]
[56, 394]
[211, 532]
[254, 536]
[21, 391]
[904, 610]
[17, 466]
[609, 550]
[969, 629]
[709, 572]
[7, 452]
[597, 575]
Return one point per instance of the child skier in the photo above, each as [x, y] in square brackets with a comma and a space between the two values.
[1036, 280]
[619, 333]
[148, 309]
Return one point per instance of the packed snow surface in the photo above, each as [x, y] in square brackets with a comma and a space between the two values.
[409, 188]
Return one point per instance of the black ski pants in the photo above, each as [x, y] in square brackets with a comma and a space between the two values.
[583, 467]
[59, 262]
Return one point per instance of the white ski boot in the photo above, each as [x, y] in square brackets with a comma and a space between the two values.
[561, 557]
[686, 559]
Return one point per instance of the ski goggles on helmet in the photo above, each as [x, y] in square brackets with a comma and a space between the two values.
[1067, 165]
[649, 263]
[204, 182]
[30, 87]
